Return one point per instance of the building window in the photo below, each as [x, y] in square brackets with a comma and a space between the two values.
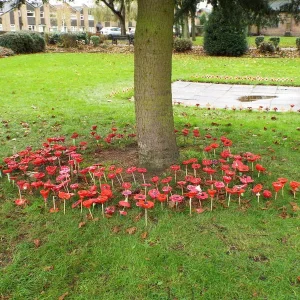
[81, 17]
[31, 27]
[12, 27]
[30, 13]
[42, 15]
[91, 18]
[41, 28]
[53, 15]
[73, 28]
[81, 29]
[92, 29]
[73, 17]
[53, 29]
[1, 27]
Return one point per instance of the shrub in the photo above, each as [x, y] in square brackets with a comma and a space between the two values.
[224, 35]
[19, 42]
[95, 40]
[182, 45]
[68, 40]
[267, 47]
[298, 43]
[52, 38]
[82, 36]
[6, 52]
[38, 42]
[259, 40]
[275, 41]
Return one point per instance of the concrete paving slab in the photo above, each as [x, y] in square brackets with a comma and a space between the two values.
[221, 95]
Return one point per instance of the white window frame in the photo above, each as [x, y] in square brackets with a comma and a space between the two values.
[42, 14]
[12, 27]
[53, 29]
[73, 17]
[30, 13]
[31, 27]
[41, 28]
[92, 29]
[1, 27]
[73, 28]
[91, 18]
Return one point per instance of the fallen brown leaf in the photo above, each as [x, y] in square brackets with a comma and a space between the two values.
[138, 217]
[116, 229]
[63, 296]
[144, 235]
[131, 230]
[48, 268]
[37, 243]
[81, 224]
[284, 215]
[295, 206]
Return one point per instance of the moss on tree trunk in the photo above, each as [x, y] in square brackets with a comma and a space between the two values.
[152, 81]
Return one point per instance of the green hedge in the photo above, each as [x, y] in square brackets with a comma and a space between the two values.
[66, 40]
[223, 36]
[23, 42]
[182, 45]
[95, 40]
[298, 43]
[259, 40]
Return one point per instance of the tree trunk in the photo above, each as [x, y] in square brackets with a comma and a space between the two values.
[193, 28]
[185, 29]
[152, 84]
[122, 25]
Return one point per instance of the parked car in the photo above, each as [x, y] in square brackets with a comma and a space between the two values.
[111, 31]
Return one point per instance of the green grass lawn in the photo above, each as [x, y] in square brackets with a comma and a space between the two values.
[234, 253]
[285, 42]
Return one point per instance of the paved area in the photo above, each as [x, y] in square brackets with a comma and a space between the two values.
[229, 95]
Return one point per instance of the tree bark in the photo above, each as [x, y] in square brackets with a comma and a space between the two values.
[185, 27]
[152, 84]
[193, 28]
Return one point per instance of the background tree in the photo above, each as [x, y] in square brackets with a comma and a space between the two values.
[103, 13]
[185, 10]
[225, 36]
[118, 8]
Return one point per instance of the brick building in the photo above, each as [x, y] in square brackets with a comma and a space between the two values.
[45, 17]
[286, 27]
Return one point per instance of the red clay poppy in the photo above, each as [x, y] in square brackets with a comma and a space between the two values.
[295, 187]
[88, 203]
[45, 194]
[21, 202]
[146, 205]
[277, 187]
[125, 204]
[211, 193]
[259, 168]
[267, 194]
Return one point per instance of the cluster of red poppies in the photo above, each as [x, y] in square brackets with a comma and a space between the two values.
[56, 172]
[115, 135]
